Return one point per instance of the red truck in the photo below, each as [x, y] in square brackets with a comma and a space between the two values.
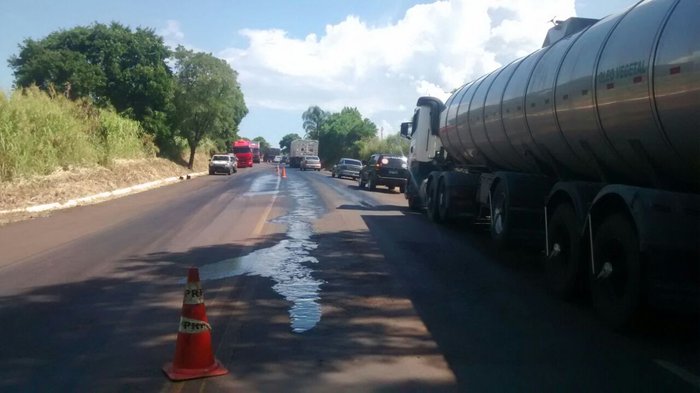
[243, 152]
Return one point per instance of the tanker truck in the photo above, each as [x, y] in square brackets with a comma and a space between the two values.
[588, 147]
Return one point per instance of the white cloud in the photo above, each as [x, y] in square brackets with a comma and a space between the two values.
[173, 36]
[382, 70]
[172, 33]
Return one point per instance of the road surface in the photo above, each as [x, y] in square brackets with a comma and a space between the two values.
[310, 285]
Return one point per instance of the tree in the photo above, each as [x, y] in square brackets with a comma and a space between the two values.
[286, 141]
[110, 64]
[313, 121]
[264, 145]
[208, 98]
[393, 144]
[340, 133]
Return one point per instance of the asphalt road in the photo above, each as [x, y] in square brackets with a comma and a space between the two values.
[311, 285]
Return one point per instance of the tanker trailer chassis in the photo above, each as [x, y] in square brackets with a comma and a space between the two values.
[631, 248]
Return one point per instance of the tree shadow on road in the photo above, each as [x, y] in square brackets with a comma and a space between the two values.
[119, 336]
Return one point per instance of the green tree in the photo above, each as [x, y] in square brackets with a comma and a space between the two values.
[208, 99]
[393, 144]
[286, 141]
[264, 145]
[340, 133]
[313, 121]
[110, 64]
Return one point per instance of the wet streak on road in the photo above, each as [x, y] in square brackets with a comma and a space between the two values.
[286, 262]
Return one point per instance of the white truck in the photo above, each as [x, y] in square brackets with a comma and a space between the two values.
[588, 147]
[300, 148]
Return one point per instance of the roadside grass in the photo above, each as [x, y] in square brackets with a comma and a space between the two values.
[53, 149]
[40, 132]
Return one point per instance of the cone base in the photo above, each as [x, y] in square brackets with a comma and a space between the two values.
[181, 374]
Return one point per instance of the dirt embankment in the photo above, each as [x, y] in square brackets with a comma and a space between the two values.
[65, 185]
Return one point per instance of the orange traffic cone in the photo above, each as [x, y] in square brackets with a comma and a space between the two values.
[284, 173]
[193, 353]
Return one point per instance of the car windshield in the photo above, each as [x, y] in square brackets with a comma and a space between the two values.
[353, 162]
[219, 158]
[312, 158]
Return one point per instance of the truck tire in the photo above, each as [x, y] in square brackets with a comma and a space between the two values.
[564, 267]
[499, 215]
[402, 189]
[211, 172]
[412, 196]
[333, 175]
[414, 203]
[360, 183]
[441, 202]
[431, 204]
[616, 282]
[371, 183]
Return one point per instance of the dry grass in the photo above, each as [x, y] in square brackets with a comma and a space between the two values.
[64, 185]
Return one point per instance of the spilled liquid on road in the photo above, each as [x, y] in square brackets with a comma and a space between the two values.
[286, 263]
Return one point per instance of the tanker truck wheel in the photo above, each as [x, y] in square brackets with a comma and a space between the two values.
[412, 196]
[441, 202]
[616, 281]
[499, 215]
[414, 203]
[431, 203]
[563, 265]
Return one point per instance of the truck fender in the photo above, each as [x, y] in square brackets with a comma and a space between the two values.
[460, 189]
[578, 194]
[663, 219]
[524, 190]
[667, 225]
[525, 196]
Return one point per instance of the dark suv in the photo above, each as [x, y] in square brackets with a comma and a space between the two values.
[384, 170]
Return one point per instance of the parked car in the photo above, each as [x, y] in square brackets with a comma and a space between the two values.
[222, 163]
[310, 162]
[348, 167]
[384, 170]
[277, 159]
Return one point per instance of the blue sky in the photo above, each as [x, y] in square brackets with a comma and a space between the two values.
[376, 55]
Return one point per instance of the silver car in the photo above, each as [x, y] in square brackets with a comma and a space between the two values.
[222, 163]
[310, 162]
[348, 167]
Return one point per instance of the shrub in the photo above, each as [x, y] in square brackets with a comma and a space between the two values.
[40, 132]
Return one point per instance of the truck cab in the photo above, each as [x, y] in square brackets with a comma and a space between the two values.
[425, 150]
[243, 152]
